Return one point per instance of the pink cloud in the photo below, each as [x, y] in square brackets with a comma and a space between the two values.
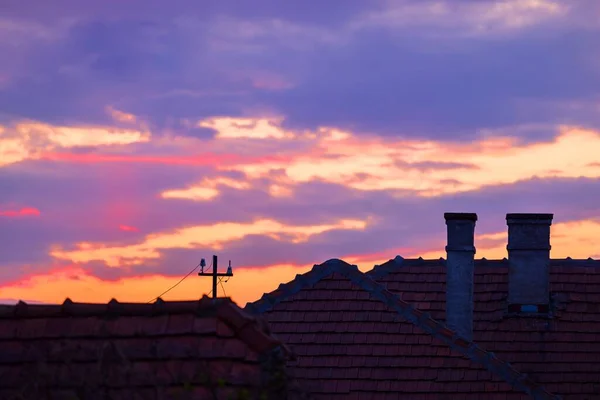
[200, 159]
[23, 212]
[127, 228]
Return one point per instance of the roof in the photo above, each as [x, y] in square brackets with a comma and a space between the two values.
[560, 352]
[354, 338]
[134, 351]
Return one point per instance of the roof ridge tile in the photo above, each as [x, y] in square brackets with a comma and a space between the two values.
[382, 270]
[70, 308]
[379, 271]
[308, 279]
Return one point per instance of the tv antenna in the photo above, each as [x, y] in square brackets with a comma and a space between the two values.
[215, 273]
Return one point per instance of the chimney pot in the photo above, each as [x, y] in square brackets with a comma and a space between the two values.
[460, 263]
[529, 260]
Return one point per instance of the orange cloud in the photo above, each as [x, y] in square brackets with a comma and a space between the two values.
[205, 190]
[29, 140]
[121, 116]
[214, 236]
[340, 157]
[250, 128]
[78, 136]
[263, 150]
[128, 228]
[23, 212]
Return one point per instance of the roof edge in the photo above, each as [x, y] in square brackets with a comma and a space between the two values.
[253, 330]
[250, 329]
[301, 281]
[392, 265]
[115, 308]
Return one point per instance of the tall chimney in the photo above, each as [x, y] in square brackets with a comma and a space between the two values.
[459, 272]
[529, 262]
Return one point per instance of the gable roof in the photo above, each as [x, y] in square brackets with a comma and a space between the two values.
[134, 350]
[560, 352]
[278, 309]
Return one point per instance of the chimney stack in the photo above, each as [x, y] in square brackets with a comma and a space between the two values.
[529, 262]
[460, 251]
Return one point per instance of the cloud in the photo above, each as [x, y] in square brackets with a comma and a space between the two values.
[214, 236]
[430, 168]
[252, 128]
[297, 63]
[121, 116]
[32, 139]
[483, 18]
[67, 137]
[23, 212]
[205, 190]
[12, 150]
[128, 228]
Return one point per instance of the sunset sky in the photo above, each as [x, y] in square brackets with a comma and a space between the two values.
[139, 136]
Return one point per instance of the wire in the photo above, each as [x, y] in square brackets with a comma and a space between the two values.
[221, 282]
[222, 287]
[209, 267]
[175, 285]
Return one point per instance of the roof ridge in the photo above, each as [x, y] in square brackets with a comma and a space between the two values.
[113, 307]
[381, 270]
[301, 281]
[417, 317]
[251, 329]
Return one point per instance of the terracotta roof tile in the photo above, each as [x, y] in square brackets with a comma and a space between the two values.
[559, 353]
[132, 350]
[336, 318]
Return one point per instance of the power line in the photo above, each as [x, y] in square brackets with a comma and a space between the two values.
[223, 287]
[175, 285]
[220, 282]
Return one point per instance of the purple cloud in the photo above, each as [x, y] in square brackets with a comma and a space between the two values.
[379, 80]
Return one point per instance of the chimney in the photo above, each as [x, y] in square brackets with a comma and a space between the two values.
[529, 262]
[459, 272]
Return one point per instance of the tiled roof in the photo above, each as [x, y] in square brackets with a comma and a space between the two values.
[356, 339]
[170, 350]
[561, 353]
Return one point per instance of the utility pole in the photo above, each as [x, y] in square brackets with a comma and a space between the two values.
[215, 274]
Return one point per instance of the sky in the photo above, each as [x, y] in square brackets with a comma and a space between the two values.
[138, 137]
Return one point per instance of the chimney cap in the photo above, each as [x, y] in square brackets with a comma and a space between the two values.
[450, 216]
[524, 216]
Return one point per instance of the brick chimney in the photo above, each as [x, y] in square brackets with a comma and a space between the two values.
[459, 272]
[529, 262]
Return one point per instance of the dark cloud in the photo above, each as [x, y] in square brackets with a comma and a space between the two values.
[166, 68]
[385, 85]
[331, 12]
